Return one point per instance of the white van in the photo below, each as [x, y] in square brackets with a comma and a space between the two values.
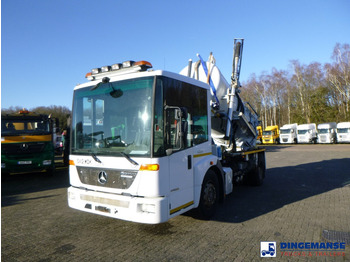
[288, 134]
[327, 133]
[307, 133]
[343, 132]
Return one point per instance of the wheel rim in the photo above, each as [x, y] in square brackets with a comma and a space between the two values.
[209, 196]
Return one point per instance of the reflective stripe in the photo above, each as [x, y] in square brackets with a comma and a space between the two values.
[200, 155]
[181, 207]
[252, 152]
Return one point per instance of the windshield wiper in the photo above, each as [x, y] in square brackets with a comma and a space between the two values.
[96, 158]
[129, 158]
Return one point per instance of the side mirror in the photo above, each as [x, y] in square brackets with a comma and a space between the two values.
[169, 151]
[175, 128]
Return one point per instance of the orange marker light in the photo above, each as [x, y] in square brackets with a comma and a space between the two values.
[149, 167]
[143, 63]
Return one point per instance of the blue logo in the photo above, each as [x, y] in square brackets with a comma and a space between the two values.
[267, 249]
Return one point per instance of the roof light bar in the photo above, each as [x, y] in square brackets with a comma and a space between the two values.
[116, 67]
[95, 71]
[126, 65]
[105, 69]
[143, 64]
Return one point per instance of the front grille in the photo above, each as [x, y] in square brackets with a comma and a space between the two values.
[22, 148]
[285, 140]
[112, 178]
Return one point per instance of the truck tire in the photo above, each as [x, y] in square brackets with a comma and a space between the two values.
[209, 195]
[256, 177]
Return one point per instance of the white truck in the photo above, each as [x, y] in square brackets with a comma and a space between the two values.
[343, 132]
[327, 133]
[307, 133]
[288, 134]
[147, 145]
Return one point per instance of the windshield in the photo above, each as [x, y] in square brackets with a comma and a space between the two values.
[285, 131]
[323, 131]
[267, 133]
[113, 118]
[302, 132]
[28, 127]
[343, 130]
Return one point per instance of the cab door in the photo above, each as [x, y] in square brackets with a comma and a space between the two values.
[181, 180]
[180, 158]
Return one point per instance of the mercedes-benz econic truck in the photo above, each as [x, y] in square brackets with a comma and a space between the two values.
[288, 134]
[343, 132]
[327, 133]
[27, 142]
[149, 145]
[307, 133]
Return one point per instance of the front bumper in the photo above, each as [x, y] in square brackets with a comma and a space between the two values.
[136, 209]
[19, 165]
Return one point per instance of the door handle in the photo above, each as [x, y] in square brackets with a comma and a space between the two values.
[189, 162]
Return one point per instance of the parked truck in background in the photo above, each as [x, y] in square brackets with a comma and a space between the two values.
[307, 133]
[327, 133]
[259, 137]
[288, 134]
[27, 142]
[343, 132]
[271, 135]
[147, 145]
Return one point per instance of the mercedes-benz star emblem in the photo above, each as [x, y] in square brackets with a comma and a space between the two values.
[24, 147]
[102, 177]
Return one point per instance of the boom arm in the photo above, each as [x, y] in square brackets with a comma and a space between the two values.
[236, 70]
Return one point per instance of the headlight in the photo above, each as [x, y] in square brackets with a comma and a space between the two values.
[47, 162]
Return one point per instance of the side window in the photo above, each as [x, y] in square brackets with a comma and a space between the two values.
[193, 102]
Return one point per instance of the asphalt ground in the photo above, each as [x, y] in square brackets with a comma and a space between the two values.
[305, 198]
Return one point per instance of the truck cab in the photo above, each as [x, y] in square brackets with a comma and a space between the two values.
[307, 133]
[327, 133]
[271, 135]
[288, 134]
[259, 132]
[343, 132]
[27, 143]
[142, 147]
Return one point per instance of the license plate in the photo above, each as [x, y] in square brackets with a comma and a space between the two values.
[24, 162]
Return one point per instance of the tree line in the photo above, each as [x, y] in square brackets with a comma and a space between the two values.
[59, 112]
[312, 93]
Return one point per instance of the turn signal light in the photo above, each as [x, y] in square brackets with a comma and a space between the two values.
[149, 167]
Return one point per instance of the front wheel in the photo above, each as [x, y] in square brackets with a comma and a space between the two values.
[209, 195]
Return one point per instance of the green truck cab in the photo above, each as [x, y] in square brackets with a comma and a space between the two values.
[27, 143]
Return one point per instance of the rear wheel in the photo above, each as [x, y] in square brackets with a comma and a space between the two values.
[256, 177]
[209, 195]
